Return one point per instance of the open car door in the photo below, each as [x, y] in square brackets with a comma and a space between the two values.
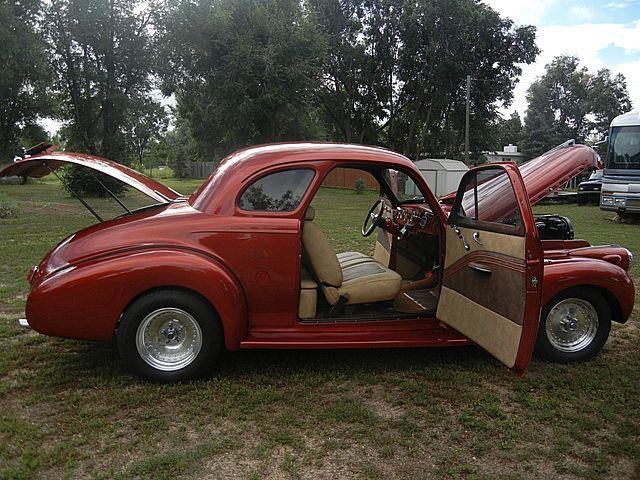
[492, 280]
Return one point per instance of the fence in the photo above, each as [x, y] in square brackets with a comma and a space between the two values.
[201, 169]
[346, 178]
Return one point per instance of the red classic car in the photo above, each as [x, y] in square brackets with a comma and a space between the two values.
[242, 264]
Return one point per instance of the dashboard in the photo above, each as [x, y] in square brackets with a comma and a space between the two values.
[407, 219]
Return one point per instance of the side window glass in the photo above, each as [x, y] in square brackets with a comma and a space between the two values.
[277, 192]
[489, 203]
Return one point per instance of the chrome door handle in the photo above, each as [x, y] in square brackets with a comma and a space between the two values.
[461, 237]
[476, 237]
[480, 268]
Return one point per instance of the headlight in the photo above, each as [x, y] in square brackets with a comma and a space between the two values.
[607, 200]
[620, 202]
[630, 258]
[580, 188]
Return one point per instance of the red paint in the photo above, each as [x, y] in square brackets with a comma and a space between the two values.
[246, 264]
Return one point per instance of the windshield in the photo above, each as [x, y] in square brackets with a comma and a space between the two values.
[624, 148]
[403, 187]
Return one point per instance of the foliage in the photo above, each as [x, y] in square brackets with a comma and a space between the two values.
[86, 182]
[509, 131]
[243, 72]
[178, 149]
[8, 209]
[360, 186]
[396, 71]
[570, 102]
[102, 54]
[146, 123]
[25, 75]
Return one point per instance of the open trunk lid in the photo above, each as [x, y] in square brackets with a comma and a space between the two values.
[37, 166]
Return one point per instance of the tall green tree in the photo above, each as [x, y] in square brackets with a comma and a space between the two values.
[24, 77]
[509, 131]
[243, 72]
[569, 102]
[396, 71]
[103, 54]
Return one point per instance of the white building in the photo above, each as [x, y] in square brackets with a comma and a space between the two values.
[509, 153]
[442, 175]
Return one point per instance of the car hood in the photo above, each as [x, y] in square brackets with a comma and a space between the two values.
[38, 166]
[546, 173]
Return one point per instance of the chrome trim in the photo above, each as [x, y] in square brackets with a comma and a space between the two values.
[23, 323]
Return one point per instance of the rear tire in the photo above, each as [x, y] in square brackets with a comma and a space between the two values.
[574, 326]
[169, 336]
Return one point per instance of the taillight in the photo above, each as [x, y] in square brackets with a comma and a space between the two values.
[32, 273]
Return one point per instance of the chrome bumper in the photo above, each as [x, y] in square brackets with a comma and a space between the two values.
[23, 323]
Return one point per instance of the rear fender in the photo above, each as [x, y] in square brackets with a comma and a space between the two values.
[613, 281]
[87, 300]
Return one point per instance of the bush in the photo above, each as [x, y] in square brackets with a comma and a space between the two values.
[360, 186]
[84, 182]
[8, 210]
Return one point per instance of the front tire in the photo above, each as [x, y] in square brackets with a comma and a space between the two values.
[574, 326]
[169, 336]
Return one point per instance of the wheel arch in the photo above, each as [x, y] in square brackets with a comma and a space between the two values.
[164, 288]
[101, 289]
[611, 300]
[611, 281]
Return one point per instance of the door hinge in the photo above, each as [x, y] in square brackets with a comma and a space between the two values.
[534, 282]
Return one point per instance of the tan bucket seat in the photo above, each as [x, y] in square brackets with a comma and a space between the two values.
[352, 276]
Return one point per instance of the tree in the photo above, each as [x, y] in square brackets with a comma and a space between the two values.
[147, 122]
[509, 131]
[243, 72]
[397, 70]
[569, 102]
[25, 75]
[103, 56]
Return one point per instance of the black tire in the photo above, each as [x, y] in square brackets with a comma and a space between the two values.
[546, 349]
[580, 200]
[206, 318]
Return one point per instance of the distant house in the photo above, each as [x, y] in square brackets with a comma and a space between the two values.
[509, 153]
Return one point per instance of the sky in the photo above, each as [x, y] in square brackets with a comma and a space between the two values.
[603, 34]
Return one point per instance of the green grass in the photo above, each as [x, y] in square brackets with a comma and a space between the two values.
[69, 409]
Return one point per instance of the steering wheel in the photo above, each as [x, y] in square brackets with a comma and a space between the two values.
[373, 217]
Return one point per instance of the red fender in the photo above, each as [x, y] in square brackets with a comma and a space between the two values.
[101, 289]
[568, 273]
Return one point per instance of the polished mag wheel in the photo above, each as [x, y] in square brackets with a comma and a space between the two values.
[574, 325]
[170, 335]
[169, 339]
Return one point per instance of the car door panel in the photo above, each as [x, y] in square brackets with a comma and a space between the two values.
[491, 281]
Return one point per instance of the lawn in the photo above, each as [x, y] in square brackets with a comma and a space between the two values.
[69, 409]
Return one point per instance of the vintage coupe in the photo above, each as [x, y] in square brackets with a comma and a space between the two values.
[242, 264]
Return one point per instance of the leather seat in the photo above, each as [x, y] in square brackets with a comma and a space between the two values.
[354, 276]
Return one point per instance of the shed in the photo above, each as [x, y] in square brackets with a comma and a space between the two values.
[441, 174]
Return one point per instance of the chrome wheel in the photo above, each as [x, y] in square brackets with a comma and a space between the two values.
[572, 325]
[169, 339]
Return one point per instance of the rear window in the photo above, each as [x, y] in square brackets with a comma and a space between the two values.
[278, 192]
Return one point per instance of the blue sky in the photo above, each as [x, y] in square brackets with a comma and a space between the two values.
[603, 34]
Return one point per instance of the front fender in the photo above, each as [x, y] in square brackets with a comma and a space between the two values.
[85, 301]
[560, 275]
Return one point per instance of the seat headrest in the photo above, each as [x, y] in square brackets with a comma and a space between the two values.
[310, 214]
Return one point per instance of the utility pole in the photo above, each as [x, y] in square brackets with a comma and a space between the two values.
[466, 126]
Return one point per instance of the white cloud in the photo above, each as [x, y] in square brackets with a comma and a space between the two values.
[585, 41]
[525, 12]
[582, 12]
[620, 4]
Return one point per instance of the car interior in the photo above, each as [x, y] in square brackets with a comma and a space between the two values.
[398, 279]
